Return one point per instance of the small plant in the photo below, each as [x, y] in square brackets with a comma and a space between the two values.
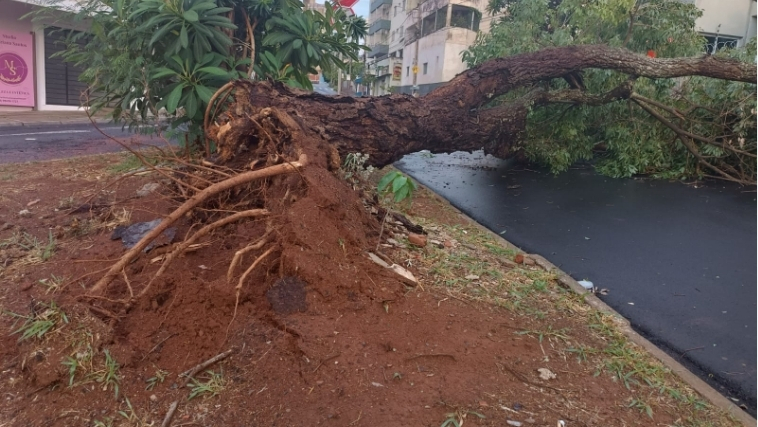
[52, 284]
[108, 376]
[398, 184]
[158, 378]
[43, 319]
[455, 419]
[49, 249]
[214, 383]
[353, 169]
[642, 406]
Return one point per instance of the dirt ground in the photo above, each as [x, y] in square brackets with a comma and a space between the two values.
[321, 335]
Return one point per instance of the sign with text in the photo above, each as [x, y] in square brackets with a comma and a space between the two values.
[16, 73]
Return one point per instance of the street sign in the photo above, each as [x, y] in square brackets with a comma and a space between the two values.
[415, 69]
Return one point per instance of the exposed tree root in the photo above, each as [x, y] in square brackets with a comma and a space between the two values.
[186, 207]
[252, 213]
[247, 272]
[238, 255]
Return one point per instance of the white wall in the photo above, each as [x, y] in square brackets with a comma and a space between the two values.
[731, 15]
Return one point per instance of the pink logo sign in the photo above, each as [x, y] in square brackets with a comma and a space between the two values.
[13, 69]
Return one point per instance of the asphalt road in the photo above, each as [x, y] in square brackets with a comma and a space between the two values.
[679, 261]
[47, 142]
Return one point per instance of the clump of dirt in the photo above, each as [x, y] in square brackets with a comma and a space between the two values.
[319, 334]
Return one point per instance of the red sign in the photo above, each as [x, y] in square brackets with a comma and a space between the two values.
[16, 79]
[347, 3]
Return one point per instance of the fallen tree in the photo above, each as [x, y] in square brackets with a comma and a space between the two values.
[285, 144]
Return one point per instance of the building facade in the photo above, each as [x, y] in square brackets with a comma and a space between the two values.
[30, 77]
[416, 45]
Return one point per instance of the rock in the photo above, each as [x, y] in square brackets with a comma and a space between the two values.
[153, 398]
[33, 202]
[547, 374]
[528, 261]
[6, 226]
[472, 277]
[448, 244]
[519, 258]
[513, 423]
[417, 239]
[25, 213]
[147, 189]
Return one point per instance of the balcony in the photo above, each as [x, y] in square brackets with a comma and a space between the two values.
[375, 4]
[382, 24]
[378, 50]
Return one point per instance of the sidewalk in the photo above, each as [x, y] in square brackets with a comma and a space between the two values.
[35, 118]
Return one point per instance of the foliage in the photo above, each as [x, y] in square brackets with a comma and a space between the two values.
[401, 186]
[142, 56]
[622, 137]
[44, 318]
[214, 383]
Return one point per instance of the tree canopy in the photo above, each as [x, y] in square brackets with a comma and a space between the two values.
[672, 128]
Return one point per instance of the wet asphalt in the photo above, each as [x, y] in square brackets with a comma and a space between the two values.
[678, 260]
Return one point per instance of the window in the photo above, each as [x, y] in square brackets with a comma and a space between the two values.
[714, 44]
[425, 66]
[407, 71]
[395, 11]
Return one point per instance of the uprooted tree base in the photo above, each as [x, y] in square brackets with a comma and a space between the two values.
[283, 146]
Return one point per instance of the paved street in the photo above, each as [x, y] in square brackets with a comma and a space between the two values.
[678, 261]
[47, 142]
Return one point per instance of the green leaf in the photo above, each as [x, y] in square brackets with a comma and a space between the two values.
[386, 180]
[398, 183]
[204, 93]
[172, 100]
[183, 37]
[215, 71]
[190, 15]
[190, 105]
[163, 72]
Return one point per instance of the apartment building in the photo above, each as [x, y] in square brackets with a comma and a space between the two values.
[416, 45]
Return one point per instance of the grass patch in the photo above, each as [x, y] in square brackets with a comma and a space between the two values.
[211, 385]
[44, 318]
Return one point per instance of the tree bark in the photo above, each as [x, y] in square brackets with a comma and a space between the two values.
[451, 118]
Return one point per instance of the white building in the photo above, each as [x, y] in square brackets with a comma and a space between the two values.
[29, 77]
[425, 38]
[726, 22]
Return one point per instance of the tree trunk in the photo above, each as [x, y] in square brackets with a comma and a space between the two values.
[450, 118]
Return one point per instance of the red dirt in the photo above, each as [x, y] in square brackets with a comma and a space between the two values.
[361, 348]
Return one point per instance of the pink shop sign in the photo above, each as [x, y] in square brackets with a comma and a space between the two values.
[16, 73]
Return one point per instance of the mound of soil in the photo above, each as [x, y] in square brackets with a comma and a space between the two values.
[321, 335]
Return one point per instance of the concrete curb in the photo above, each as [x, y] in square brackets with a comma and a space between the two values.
[700, 386]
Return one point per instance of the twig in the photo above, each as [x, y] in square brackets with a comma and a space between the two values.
[128, 284]
[192, 371]
[691, 349]
[418, 356]
[159, 344]
[326, 359]
[170, 414]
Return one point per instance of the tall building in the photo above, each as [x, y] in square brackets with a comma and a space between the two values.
[416, 45]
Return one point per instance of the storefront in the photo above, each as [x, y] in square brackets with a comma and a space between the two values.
[29, 77]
